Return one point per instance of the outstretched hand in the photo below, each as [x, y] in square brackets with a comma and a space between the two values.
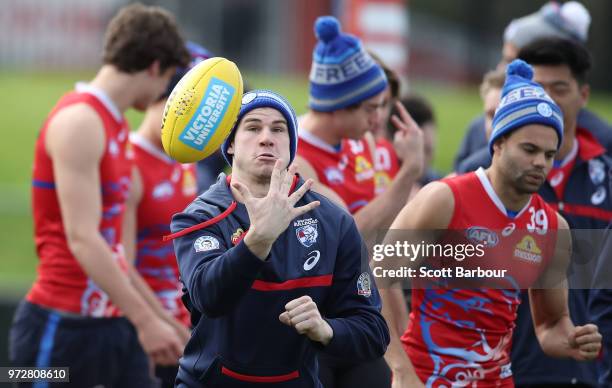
[271, 215]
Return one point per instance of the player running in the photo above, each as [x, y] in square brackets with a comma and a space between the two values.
[462, 337]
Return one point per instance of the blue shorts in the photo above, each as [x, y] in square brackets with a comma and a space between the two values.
[99, 351]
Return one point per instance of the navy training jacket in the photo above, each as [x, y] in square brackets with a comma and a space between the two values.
[236, 298]
[586, 205]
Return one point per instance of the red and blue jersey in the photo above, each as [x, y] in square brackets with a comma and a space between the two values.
[386, 164]
[462, 337]
[61, 283]
[167, 188]
[347, 170]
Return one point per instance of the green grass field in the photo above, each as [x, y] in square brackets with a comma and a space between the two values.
[27, 98]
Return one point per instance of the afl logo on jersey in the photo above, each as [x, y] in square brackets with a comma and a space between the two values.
[482, 235]
[334, 176]
[163, 190]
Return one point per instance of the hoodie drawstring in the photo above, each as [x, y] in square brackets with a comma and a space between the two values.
[218, 218]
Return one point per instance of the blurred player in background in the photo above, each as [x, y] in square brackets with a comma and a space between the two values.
[462, 337]
[83, 311]
[160, 188]
[422, 112]
[386, 162]
[490, 93]
[571, 20]
[578, 186]
[336, 150]
[276, 272]
[600, 306]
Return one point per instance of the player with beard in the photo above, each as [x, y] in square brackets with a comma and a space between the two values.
[462, 336]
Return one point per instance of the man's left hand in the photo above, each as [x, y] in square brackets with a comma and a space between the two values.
[303, 314]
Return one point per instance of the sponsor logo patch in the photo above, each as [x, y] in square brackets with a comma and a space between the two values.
[507, 231]
[312, 260]
[596, 171]
[363, 169]
[556, 179]
[598, 196]
[190, 187]
[205, 243]
[528, 250]
[382, 181]
[364, 285]
[237, 236]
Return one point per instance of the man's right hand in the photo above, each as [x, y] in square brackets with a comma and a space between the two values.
[160, 341]
[270, 216]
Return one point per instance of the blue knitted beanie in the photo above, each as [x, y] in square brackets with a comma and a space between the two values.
[342, 72]
[524, 102]
[265, 99]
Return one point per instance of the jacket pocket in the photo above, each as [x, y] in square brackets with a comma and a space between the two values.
[223, 373]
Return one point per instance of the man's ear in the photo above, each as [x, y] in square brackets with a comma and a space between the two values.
[497, 146]
[154, 68]
[230, 149]
[585, 93]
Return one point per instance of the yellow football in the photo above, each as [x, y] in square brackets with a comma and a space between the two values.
[201, 110]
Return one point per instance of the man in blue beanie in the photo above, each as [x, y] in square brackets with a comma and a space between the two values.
[578, 187]
[274, 272]
[337, 148]
[567, 21]
[462, 336]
